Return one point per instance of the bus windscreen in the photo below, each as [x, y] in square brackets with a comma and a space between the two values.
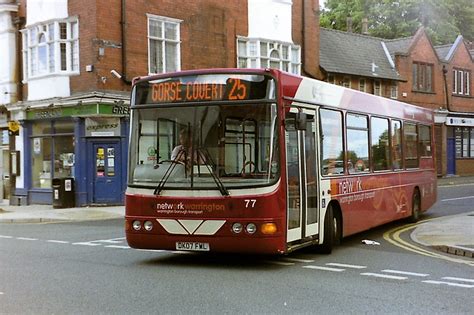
[205, 88]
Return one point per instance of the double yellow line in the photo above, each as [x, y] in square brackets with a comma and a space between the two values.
[393, 237]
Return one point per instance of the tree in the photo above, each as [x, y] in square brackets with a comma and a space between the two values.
[442, 19]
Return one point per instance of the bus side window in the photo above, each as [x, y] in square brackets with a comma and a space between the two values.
[358, 142]
[332, 152]
[396, 144]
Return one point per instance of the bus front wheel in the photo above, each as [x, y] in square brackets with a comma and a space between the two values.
[332, 228]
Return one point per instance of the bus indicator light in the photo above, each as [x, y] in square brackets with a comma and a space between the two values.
[268, 228]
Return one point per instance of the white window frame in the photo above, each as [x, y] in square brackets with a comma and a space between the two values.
[362, 85]
[461, 82]
[379, 82]
[53, 44]
[394, 90]
[162, 38]
[347, 82]
[263, 53]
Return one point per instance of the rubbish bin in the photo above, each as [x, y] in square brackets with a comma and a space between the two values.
[63, 192]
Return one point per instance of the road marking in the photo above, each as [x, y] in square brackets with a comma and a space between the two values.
[1, 293]
[393, 237]
[57, 242]
[298, 260]
[111, 241]
[406, 273]
[26, 239]
[87, 244]
[5, 236]
[460, 198]
[118, 246]
[461, 285]
[324, 268]
[379, 275]
[149, 250]
[346, 266]
[459, 279]
[280, 263]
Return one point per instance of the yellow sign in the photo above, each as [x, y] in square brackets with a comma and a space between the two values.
[13, 126]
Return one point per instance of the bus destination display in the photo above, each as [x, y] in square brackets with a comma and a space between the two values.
[177, 91]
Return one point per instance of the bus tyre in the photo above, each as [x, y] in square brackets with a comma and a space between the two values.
[415, 207]
[331, 227]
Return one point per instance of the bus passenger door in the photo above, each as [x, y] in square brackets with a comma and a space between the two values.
[301, 168]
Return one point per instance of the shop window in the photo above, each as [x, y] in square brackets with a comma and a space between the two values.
[52, 153]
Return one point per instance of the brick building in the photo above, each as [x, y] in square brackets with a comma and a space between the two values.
[79, 56]
[414, 71]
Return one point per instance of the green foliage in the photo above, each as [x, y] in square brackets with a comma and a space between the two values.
[443, 20]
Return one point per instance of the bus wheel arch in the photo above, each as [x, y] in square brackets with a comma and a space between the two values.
[332, 233]
[415, 205]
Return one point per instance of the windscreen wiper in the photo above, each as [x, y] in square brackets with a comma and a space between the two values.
[210, 165]
[166, 176]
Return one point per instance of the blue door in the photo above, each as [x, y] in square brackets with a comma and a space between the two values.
[451, 151]
[107, 173]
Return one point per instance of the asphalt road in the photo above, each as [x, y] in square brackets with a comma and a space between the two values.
[88, 268]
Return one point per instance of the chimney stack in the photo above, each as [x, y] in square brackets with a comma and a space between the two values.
[365, 26]
[349, 24]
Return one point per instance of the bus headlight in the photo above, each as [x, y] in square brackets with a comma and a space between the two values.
[137, 225]
[268, 228]
[237, 228]
[251, 228]
[148, 225]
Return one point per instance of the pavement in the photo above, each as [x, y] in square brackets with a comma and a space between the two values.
[449, 234]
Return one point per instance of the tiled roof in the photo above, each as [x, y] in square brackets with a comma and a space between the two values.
[399, 46]
[443, 51]
[354, 54]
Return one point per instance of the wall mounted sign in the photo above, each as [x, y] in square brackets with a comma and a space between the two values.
[102, 127]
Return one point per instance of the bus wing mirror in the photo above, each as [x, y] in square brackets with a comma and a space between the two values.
[300, 121]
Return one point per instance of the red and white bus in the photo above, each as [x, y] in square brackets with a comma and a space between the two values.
[269, 162]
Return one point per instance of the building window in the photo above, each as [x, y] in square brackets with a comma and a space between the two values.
[52, 153]
[164, 51]
[51, 48]
[422, 77]
[464, 142]
[461, 82]
[257, 53]
[362, 85]
[331, 79]
[346, 82]
[394, 90]
[377, 87]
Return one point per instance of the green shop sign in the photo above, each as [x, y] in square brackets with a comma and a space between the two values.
[79, 111]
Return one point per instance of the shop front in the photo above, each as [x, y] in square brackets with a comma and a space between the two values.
[86, 143]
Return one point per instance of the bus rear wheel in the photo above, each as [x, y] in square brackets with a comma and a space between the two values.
[415, 207]
[332, 226]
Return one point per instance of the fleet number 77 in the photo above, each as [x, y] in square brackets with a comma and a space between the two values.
[250, 203]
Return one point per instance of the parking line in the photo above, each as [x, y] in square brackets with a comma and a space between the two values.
[459, 279]
[406, 273]
[379, 275]
[346, 266]
[461, 285]
[324, 268]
